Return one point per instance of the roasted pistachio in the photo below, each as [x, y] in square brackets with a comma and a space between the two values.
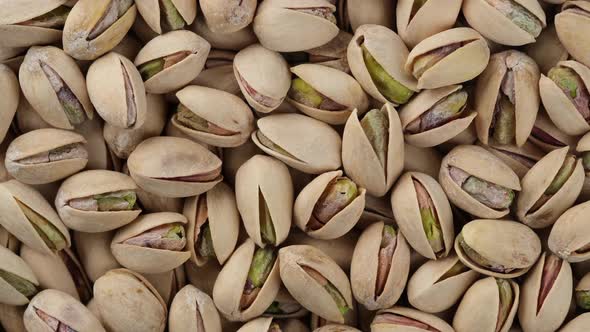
[193, 310]
[228, 16]
[285, 306]
[167, 15]
[420, 19]
[575, 16]
[567, 238]
[18, 283]
[548, 50]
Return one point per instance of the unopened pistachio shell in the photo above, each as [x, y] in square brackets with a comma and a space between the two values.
[407, 319]
[94, 252]
[8, 105]
[228, 16]
[567, 239]
[168, 15]
[417, 20]
[572, 19]
[18, 283]
[193, 310]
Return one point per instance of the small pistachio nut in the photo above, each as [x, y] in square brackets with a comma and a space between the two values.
[449, 57]
[264, 195]
[317, 282]
[152, 243]
[269, 324]
[224, 16]
[18, 283]
[420, 19]
[94, 252]
[174, 167]
[582, 293]
[336, 328]
[167, 15]
[373, 149]
[117, 91]
[436, 116]
[578, 324]
[376, 56]
[333, 53]
[583, 149]
[407, 319]
[213, 224]
[548, 50]
[380, 266]
[498, 248]
[548, 137]
[285, 306]
[567, 239]
[489, 305]
[263, 76]
[467, 179]
[293, 139]
[248, 282]
[213, 117]
[287, 26]
[94, 27]
[519, 158]
[31, 219]
[329, 206]
[126, 301]
[549, 188]
[424, 160]
[507, 98]
[55, 87]
[546, 294]
[9, 103]
[565, 95]
[193, 311]
[234, 41]
[574, 16]
[354, 13]
[423, 214]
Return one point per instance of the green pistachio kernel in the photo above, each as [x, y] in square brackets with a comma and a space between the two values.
[339, 193]
[52, 237]
[22, 285]
[205, 243]
[375, 124]
[391, 89]
[506, 300]
[170, 18]
[505, 122]
[586, 160]
[117, 201]
[583, 299]
[262, 263]
[566, 79]
[562, 175]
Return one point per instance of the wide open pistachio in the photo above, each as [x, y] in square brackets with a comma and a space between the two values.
[489, 305]
[18, 283]
[213, 224]
[152, 243]
[582, 293]
[94, 251]
[213, 117]
[167, 15]
[376, 56]
[329, 206]
[285, 306]
[519, 159]
[117, 91]
[193, 310]
[9, 103]
[407, 319]
[548, 137]
[174, 167]
[549, 188]
[420, 19]
[424, 215]
[565, 94]
[94, 27]
[248, 282]
[380, 266]
[498, 248]
[228, 16]
[373, 150]
[31, 219]
[574, 17]
[568, 238]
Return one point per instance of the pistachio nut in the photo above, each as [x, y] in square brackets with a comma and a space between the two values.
[549, 188]
[336, 328]
[498, 248]
[293, 138]
[94, 252]
[248, 282]
[519, 158]
[9, 103]
[333, 53]
[285, 26]
[574, 16]
[423, 213]
[449, 57]
[468, 182]
[174, 167]
[376, 56]
[548, 50]
[228, 16]
[548, 137]
[373, 150]
[167, 15]
[380, 266]
[18, 283]
[577, 324]
[285, 306]
[193, 310]
[424, 160]
[31, 219]
[567, 239]
[407, 319]
[234, 41]
[269, 324]
[490, 304]
[128, 302]
[420, 19]
[354, 13]
[213, 224]
[582, 293]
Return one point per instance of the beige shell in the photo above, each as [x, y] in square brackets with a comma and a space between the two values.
[389, 51]
[168, 283]
[99, 156]
[424, 160]
[560, 108]
[14, 221]
[280, 27]
[568, 234]
[504, 242]
[354, 13]
[336, 328]
[224, 16]
[158, 158]
[548, 50]
[235, 41]
[478, 310]
[62, 307]
[9, 103]
[257, 325]
[283, 297]
[578, 324]
[186, 304]
[145, 259]
[404, 202]
[218, 77]
[364, 267]
[12, 263]
[544, 124]
[360, 161]
[464, 64]
[513, 155]
[433, 17]
[341, 223]
[568, 23]
[538, 179]
[230, 282]
[107, 87]
[80, 23]
[150, 11]
[333, 53]
[431, 320]
[128, 302]
[94, 251]
[478, 162]
[299, 136]
[234, 158]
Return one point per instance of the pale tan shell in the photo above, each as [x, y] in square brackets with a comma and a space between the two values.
[464, 64]
[360, 161]
[389, 51]
[544, 123]
[12, 263]
[283, 297]
[230, 282]
[10, 98]
[568, 23]
[478, 162]
[168, 283]
[568, 234]
[236, 40]
[528, 151]
[359, 12]
[299, 135]
[578, 324]
[144, 259]
[504, 242]
[186, 303]
[234, 158]
[433, 17]
[257, 325]
[99, 155]
[150, 11]
[548, 50]
[414, 314]
[336, 328]
[538, 179]
[478, 310]
[424, 160]
[363, 269]
[224, 16]
[94, 251]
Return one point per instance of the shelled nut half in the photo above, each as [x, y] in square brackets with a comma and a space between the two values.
[574, 17]
[167, 15]
[420, 19]
[407, 319]
[193, 310]
[567, 239]
[18, 283]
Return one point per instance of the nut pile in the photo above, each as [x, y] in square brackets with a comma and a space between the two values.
[295, 165]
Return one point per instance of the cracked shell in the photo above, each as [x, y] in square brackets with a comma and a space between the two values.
[574, 18]
[432, 321]
[224, 16]
[192, 309]
[9, 103]
[13, 264]
[151, 12]
[429, 19]
[568, 238]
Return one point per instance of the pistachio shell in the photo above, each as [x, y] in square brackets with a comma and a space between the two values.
[168, 283]
[234, 158]
[336, 328]
[568, 238]
[285, 306]
[424, 160]
[578, 324]
[8, 105]
[99, 155]
[7, 240]
[548, 50]
[151, 12]
[94, 250]
[569, 21]
[228, 16]
[15, 265]
[431, 18]
[256, 325]
[354, 13]
[376, 209]
[236, 40]
[519, 159]
[188, 306]
[544, 129]
[413, 314]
